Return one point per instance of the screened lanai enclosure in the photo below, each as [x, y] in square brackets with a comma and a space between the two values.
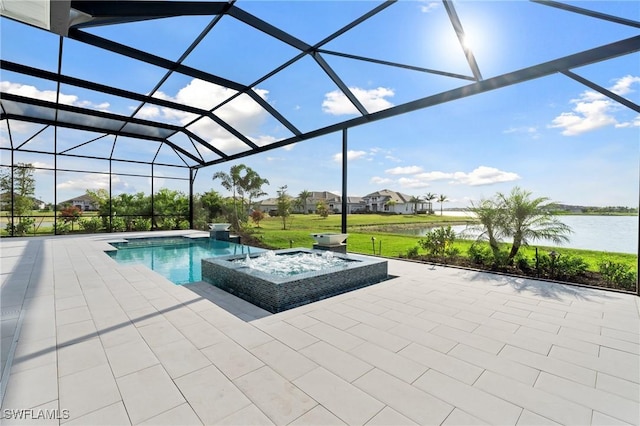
[131, 97]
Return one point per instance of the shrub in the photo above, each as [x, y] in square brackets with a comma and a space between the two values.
[184, 224]
[480, 254]
[568, 266]
[618, 274]
[168, 223]
[412, 253]
[118, 224]
[91, 225]
[61, 228]
[257, 216]
[439, 242]
[141, 224]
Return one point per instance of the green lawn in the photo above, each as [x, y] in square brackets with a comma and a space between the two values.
[363, 227]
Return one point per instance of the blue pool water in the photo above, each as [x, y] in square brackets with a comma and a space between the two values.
[176, 258]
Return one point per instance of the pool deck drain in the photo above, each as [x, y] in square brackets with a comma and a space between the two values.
[104, 343]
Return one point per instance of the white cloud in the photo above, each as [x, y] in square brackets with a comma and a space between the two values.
[528, 130]
[380, 180]
[392, 158]
[351, 155]
[49, 95]
[413, 183]
[336, 103]
[623, 85]
[484, 175]
[427, 6]
[243, 114]
[594, 110]
[407, 170]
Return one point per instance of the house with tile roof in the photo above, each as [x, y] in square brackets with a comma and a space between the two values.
[387, 201]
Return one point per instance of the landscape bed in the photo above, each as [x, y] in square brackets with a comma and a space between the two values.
[279, 293]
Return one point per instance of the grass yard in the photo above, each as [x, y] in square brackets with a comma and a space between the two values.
[363, 227]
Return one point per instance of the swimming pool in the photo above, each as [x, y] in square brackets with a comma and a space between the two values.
[176, 258]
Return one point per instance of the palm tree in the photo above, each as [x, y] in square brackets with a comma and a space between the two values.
[527, 221]
[491, 217]
[441, 199]
[415, 201]
[429, 197]
[303, 196]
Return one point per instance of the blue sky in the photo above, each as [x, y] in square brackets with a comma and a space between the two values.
[552, 136]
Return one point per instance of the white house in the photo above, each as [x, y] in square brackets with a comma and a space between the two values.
[84, 202]
[331, 200]
[387, 201]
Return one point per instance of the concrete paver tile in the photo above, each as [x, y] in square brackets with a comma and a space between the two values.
[80, 356]
[317, 416]
[408, 400]
[447, 364]
[182, 415]
[280, 400]
[618, 386]
[180, 357]
[336, 337]
[130, 357]
[347, 402]
[31, 388]
[605, 402]
[460, 418]
[393, 363]
[379, 337]
[88, 391]
[289, 335]
[527, 418]
[288, 363]
[211, 394]
[469, 399]
[495, 363]
[248, 416]
[535, 400]
[624, 370]
[110, 415]
[389, 416]
[563, 368]
[232, 359]
[337, 361]
[147, 393]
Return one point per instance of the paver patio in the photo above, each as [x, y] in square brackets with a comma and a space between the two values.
[94, 342]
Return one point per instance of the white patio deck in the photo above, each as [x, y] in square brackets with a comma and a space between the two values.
[108, 344]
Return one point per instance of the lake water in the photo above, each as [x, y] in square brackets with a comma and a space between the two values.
[618, 234]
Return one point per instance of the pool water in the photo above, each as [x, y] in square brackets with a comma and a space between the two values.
[176, 258]
[285, 265]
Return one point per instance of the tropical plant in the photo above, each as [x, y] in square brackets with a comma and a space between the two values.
[491, 217]
[429, 197]
[442, 199]
[526, 220]
[283, 205]
[415, 201]
[303, 197]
